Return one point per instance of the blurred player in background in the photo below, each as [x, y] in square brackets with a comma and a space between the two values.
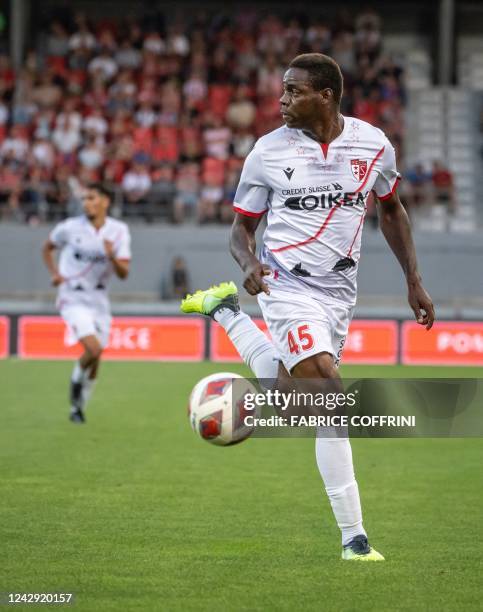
[313, 177]
[92, 247]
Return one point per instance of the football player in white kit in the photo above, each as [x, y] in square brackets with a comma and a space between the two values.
[312, 179]
[92, 247]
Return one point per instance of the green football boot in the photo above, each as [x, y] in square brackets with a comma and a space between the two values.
[358, 549]
[209, 301]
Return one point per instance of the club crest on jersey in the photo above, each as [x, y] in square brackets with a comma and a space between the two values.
[359, 169]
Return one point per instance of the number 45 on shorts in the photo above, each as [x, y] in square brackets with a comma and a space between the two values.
[299, 340]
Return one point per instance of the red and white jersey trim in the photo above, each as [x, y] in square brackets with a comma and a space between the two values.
[249, 213]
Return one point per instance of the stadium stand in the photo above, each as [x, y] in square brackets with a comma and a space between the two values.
[167, 117]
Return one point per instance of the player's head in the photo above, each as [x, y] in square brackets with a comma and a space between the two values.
[312, 84]
[96, 200]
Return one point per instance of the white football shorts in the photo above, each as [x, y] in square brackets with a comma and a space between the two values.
[302, 325]
[83, 321]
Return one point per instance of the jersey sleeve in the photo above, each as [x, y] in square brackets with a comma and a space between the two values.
[60, 235]
[122, 246]
[388, 178]
[252, 194]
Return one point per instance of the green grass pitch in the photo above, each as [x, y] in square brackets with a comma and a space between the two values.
[134, 512]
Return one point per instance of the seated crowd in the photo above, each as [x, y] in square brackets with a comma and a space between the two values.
[166, 113]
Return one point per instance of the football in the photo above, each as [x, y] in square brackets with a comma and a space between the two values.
[217, 411]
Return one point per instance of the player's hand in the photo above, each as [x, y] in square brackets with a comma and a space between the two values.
[109, 248]
[57, 279]
[254, 283]
[421, 304]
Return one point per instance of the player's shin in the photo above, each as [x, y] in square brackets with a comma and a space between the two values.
[87, 390]
[334, 460]
[251, 343]
[79, 373]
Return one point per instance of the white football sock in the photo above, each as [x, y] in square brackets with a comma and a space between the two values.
[78, 373]
[87, 389]
[334, 460]
[254, 347]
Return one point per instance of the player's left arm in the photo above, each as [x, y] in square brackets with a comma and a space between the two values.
[396, 228]
[120, 265]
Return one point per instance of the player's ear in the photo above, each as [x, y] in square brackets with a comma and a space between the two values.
[327, 95]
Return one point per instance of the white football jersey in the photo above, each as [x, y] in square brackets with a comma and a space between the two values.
[316, 199]
[83, 261]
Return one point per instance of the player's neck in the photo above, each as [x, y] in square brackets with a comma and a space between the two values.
[98, 222]
[326, 129]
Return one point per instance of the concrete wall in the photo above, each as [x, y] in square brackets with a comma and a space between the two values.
[451, 265]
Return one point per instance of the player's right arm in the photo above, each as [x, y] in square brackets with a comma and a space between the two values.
[50, 263]
[250, 205]
[242, 247]
[56, 240]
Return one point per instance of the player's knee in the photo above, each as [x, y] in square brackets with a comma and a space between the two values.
[319, 366]
[95, 351]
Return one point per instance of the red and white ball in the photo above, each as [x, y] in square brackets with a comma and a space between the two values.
[217, 410]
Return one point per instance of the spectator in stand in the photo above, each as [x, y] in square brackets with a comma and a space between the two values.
[154, 44]
[82, 38]
[146, 116]
[57, 42]
[248, 60]
[179, 279]
[46, 93]
[127, 56]
[11, 175]
[319, 37]
[66, 138]
[69, 116]
[242, 142]
[211, 196]
[270, 75]
[271, 38]
[241, 111]
[343, 52]
[216, 137]
[136, 185]
[33, 196]
[444, 193]
[418, 185]
[195, 90]
[95, 124]
[187, 188]
[163, 191]
[103, 66]
[15, 147]
[231, 182]
[43, 153]
[91, 155]
[177, 42]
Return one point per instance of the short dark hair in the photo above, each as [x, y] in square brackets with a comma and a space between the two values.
[324, 72]
[102, 189]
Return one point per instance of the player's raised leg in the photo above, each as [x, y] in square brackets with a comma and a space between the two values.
[334, 460]
[220, 302]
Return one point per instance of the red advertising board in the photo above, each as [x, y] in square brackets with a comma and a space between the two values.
[371, 342]
[131, 338]
[447, 343]
[368, 342]
[4, 336]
